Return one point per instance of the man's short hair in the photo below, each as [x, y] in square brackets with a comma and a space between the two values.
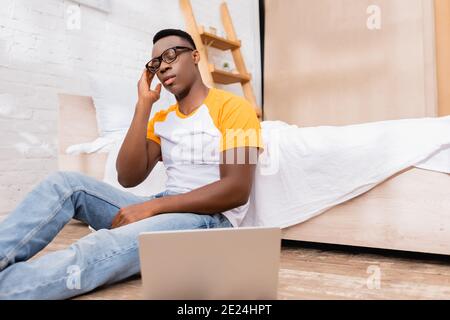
[174, 32]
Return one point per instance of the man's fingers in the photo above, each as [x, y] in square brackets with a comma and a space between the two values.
[116, 220]
[113, 223]
[149, 76]
[146, 78]
[158, 88]
[122, 222]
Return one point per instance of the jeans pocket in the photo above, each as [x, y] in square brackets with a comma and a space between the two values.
[219, 220]
[225, 222]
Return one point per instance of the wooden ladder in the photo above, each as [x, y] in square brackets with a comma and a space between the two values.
[211, 74]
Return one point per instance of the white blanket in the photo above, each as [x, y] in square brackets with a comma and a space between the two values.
[305, 171]
[103, 143]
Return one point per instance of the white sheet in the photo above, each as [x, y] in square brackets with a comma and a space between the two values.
[439, 161]
[101, 144]
[305, 171]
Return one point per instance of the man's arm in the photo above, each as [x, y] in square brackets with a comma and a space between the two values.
[138, 155]
[231, 191]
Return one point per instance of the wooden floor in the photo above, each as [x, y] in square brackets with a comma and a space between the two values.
[309, 271]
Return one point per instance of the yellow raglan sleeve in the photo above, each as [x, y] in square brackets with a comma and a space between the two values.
[239, 125]
[151, 129]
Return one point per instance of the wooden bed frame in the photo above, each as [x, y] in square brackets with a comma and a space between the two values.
[410, 211]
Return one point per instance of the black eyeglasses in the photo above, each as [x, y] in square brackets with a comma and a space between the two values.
[168, 56]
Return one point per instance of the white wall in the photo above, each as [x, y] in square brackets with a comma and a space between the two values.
[40, 57]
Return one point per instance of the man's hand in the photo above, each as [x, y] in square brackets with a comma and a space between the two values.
[145, 94]
[133, 213]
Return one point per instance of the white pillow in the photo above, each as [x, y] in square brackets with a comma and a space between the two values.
[115, 100]
[155, 182]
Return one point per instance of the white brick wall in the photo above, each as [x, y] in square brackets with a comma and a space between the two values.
[40, 57]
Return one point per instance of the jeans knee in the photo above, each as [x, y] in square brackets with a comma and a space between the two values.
[70, 179]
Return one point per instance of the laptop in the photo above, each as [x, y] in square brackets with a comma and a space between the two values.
[213, 264]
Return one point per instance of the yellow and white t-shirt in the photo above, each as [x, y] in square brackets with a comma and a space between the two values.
[191, 144]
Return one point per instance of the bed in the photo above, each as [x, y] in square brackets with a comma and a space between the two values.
[346, 73]
[409, 211]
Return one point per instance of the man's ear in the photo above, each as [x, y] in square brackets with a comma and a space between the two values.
[196, 56]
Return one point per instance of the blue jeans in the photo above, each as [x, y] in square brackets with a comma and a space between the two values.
[102, 257]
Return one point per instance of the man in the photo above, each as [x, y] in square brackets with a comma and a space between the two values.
[207, 141]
